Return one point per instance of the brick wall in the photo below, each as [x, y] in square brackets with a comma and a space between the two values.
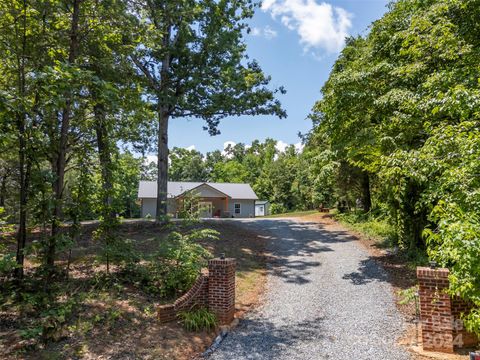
[221, 289]
[442, 328]
[467, 339]
[214, 289]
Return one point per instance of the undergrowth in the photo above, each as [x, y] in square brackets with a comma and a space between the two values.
[377, 228]
[198, 319]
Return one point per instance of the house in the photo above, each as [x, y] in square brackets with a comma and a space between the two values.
[261, 208]
[214, 199]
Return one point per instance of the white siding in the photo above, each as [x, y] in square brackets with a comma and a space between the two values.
[247, 208]
[149, 207]
[207, 192]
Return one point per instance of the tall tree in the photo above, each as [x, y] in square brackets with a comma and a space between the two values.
[193, 60]
[19, 21]
[62, 124]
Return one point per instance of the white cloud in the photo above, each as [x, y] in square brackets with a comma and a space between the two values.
[255, 31]
[318, 25]
[267, 32]
[225, 146]
[151, 158]
[281, 146]
[299, 147]
[228, 143]
[190, 148]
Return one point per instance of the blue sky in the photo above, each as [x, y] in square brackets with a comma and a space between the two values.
[296, 42]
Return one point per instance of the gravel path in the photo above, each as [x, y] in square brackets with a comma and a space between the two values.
[325, 299]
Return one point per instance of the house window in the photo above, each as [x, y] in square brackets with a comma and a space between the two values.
[237, 208]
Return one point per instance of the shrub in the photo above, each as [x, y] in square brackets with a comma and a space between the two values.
[180, 259]
[198, 319]
[277, 208]
[7, 258]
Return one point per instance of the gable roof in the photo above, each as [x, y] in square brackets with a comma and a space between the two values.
[148, 189]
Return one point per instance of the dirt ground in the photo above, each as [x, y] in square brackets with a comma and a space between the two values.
[127, 327]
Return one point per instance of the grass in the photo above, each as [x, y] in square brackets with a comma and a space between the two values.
[293, 214]
[112, 316]
[382, 234]
[376, 229]
[198, 319]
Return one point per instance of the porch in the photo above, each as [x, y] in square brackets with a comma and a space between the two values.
[208, 207]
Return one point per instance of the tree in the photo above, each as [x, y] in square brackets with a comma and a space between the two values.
[20, 33]
[401, 106]
[193, 62]
[186, 165]
[230, 171]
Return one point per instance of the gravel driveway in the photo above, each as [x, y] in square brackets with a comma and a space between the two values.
[325, 299]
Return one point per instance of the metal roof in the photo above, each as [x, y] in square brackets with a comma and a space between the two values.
[148, 189]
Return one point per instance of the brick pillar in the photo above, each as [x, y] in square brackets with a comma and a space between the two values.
[221, 289]
[435, 310]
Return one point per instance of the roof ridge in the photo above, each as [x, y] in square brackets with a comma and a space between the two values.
[201, 182]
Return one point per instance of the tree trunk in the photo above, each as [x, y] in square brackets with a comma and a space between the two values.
[60, 158]
[24, 167]
[366, 196]
[3, 190]
[24, 170]
[163, 117]
[162, 164]
[105, 158]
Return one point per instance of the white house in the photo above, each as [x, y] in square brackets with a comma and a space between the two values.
[215, 199]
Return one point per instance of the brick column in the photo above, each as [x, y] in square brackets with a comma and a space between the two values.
[221, 289]
[461, 337]
[435, 310]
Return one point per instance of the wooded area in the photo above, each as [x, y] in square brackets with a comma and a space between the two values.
[398, 126]
[88, 88]
[82, 79]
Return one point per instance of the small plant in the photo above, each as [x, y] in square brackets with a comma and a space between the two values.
[190, 208]
[408, 296]
[180, 259]
[198, 319]
[7, 258]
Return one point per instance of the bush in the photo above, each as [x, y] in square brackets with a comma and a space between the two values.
[180, 260]
[369, 225]
[276, 208]
[198, 319]
[7, 258]
[7, 261]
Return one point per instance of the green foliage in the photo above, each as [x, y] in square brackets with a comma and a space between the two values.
[370, 225]
[401, 106]
[186, 165]
[408, 296]
[52, 324]
[198, 319]
[277, 209]
[189, 209]
[114, 248]
[180, 259]
[7, 258]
